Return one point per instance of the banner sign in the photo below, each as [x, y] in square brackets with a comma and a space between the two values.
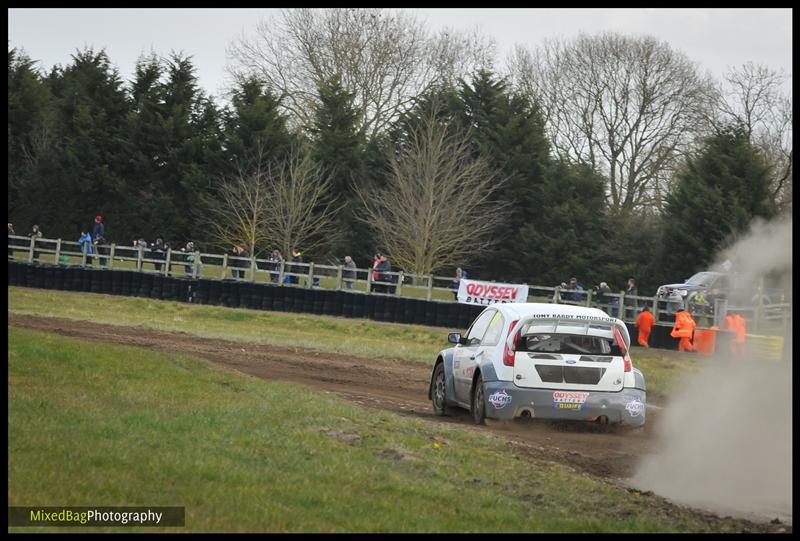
[477, 292]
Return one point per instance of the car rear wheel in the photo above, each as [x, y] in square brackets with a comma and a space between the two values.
[439, 391]
[478, 406]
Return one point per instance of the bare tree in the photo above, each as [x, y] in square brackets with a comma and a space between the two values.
[437, 207]
[629, 107]
[265, 204]
[300, 210]
[755, 96]
[237, 213]
[384, 57]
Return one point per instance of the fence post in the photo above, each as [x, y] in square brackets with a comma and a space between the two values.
[196, 265]
[139, 259]
[224, 266]
[339, 277]
[169, 258]
[58, 250]
[111, 255]
[430, 287]
[369, 282]
[30, 254]
[310, 276]
[589, 297]
[253, 268]
[759, 304]
[83, 256]
[399, 290]
[621, 314]
[281, 271]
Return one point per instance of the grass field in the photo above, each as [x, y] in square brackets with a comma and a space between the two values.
[663, 369]
[95, 424]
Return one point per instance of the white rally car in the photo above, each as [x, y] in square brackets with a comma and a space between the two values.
[545, 361]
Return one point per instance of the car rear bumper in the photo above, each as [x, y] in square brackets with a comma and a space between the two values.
[504, 400]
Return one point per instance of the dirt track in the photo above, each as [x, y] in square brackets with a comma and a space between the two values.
[393, 385]
[397, 386]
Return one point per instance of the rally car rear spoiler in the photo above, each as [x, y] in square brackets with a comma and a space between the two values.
[616, 326]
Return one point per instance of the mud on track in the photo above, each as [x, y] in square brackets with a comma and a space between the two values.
[388, 384]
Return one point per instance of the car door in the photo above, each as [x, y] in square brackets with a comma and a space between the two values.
[466, 356]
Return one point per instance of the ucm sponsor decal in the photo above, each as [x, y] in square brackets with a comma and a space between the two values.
[500, 399]
[635, 407]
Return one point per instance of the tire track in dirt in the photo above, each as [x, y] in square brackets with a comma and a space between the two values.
[393, 385]
[402, 387]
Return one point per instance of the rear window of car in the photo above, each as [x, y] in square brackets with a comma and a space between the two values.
[572, 344]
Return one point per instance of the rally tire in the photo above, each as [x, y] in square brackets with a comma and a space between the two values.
[439, 391]
[478, 403]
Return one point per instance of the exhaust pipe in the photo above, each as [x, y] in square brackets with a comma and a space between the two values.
[526, 414]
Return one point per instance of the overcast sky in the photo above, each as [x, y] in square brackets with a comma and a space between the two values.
[716, 38]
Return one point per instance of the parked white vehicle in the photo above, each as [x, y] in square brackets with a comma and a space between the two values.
[543, 361]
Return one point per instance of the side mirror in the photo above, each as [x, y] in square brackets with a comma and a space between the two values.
[454, 337]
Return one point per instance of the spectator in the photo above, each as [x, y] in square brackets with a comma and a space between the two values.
[297, 257]
[35, 234]
[158, 250]
[575, 289]
[188, 258]
[601, 291]
[10, 232]
[645, 322]
[385, 266]
[99, 236]
[275, 261]
[349, 273]
[460, 273]
[239, 251]
[376, 276]
[630, 301]
[380, 266]
[86, 246]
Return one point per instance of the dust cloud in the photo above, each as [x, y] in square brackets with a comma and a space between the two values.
[724, 441]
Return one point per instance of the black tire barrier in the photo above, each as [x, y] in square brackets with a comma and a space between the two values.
[279, 299]
[256, 296]
[107, 281]
[267, 297]
[360, 304]
[377, 308]
[155, 291]
[308, 301]
[453, 316]
[202, 294]
[145, 285]
[390, 309]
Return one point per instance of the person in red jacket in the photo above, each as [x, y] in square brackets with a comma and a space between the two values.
[740, 328]
[645, 322]
[734, 323]
[683, 329]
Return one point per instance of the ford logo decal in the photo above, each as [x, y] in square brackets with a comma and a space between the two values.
[571, 361]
